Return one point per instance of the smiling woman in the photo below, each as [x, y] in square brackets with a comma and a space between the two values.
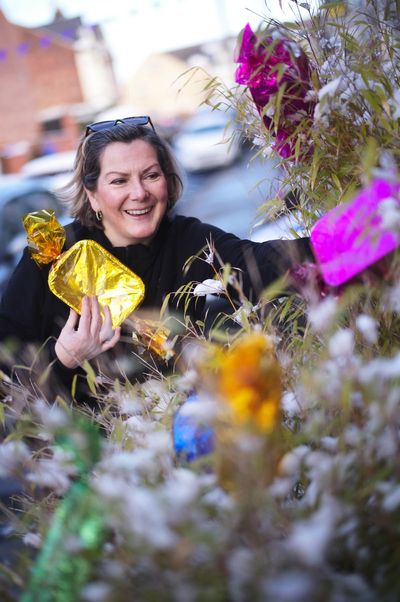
[131, 194]
[125, 183]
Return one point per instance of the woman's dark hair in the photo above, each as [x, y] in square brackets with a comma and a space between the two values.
[87, 167]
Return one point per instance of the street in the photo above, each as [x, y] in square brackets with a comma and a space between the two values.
[229, 198]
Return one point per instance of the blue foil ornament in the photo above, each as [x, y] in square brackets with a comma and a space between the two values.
[193, 438]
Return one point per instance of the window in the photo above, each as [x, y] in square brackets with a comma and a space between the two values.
[52, 125]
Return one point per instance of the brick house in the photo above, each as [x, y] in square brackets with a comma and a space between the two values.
[53, 78]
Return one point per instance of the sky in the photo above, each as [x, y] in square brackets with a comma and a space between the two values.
[136, 28]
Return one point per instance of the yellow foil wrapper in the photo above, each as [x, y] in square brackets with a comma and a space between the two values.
[88, 269]
[153, 335]
[45, 235]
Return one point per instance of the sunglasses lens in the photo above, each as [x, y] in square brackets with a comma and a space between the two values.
[106, 125]
[102, 125]
[136, 120]
[98, 126]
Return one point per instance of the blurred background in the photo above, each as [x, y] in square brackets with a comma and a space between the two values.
[66, 63]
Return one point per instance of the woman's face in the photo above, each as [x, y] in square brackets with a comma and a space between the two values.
[131, 193]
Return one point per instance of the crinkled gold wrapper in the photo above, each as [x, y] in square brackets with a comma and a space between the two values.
[88, 269]
[46, 236]
[152, 335]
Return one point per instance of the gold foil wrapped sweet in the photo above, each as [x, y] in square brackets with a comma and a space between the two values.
[88, 269]
[84, 269]
[152, 335]
[46, 236]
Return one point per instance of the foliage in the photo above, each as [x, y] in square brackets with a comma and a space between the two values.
[301, 502]
[353, 53]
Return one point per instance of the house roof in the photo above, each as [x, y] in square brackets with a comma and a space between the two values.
[68, 29]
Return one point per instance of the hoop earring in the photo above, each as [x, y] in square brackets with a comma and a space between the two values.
[99, 215]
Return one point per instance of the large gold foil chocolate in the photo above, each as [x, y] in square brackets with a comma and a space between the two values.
[88, 269]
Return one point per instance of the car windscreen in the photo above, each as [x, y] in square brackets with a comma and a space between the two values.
[204, 129]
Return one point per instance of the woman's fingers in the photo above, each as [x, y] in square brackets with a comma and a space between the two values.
[91, 319]
[108, 335]
[72, 320]
[107, 316]
[65, 346]
[86, 315]
[96, 317]
[107, 331]
[109, 343]
[93, 335]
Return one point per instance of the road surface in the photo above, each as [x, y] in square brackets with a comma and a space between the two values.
[229, 198]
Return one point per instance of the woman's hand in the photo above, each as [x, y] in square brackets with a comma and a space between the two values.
[88, 338]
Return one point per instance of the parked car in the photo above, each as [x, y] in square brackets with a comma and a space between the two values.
[19, 196]
[58, 167]
[207, 140]
[286, 226]
[49, 165]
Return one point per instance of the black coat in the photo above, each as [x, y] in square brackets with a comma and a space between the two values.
[30, 312]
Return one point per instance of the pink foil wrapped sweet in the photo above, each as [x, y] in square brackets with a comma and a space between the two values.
[353, 236]
[264, 66]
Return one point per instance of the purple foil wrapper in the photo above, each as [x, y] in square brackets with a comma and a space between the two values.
[260, 68]
[353, 236]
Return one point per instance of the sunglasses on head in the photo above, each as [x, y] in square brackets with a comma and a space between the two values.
[100, 126]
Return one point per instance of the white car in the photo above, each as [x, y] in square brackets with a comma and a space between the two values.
[58, 166]
[287, 226]
[207, 140]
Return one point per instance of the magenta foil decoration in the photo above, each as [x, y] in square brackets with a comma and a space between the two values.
[264, 66]
[353, 236]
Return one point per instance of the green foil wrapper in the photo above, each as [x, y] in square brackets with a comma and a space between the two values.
[74, 541]
[72, 545]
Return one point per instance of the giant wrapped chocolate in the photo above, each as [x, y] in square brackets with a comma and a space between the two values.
[84, 269]
[352, 236]
[88, 269]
